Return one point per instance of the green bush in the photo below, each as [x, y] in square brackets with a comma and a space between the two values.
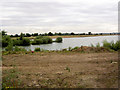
[37, 49]
[58, 39]
[5, 40]
[45, 41]
[23, 42]
[9, 47]
[112, 45]
[16, 48]
[16, 42]
[92, 45]
[76, 48]
[98, 45]
[106, 44]
[41, 40]
[39, 37]
[70, 48]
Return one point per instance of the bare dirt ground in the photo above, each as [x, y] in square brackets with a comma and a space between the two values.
[60, 70]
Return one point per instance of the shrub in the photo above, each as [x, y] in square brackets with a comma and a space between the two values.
[45, 41]
[98, 45]
[9, 47]
[106, 44]
[39, 37]
[16, 48]
[33, 43]
[70, 48]
[112, 45]
[41, 40]
[59, 39]
[16, 42]
[5, 41]
[75, 48]
[23, 42]
[37, 49]
[38, 41]
[92, 45]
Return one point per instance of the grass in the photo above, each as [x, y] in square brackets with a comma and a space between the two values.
[37, 49]
[67, 68]
[107, 46]
[111, 45]
[11, 78]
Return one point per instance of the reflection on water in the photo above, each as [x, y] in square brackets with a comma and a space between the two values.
[73, 42]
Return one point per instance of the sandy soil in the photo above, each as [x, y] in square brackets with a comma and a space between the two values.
[71, 69]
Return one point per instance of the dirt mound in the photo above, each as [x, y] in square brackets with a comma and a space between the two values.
[91, 49]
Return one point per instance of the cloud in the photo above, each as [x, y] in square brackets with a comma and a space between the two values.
[59, 16]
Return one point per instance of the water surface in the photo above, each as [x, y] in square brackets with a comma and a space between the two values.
[73, 42]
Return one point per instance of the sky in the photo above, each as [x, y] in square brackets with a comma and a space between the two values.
[43, 16]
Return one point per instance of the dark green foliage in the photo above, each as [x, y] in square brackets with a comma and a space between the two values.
[35, 34]
[39, 37]
[59, 39]
[27, 35]
[9, 47]
[72, 33]
[98, 45]
[5, 41]
[50, 34]
[112, 45]
[106, 44]
[75, 48]
[23, 42]
[89, 33]
[3, 33]
[70, 48]
[41, 40]
[37, 49]
[16, 48]
[21, 36]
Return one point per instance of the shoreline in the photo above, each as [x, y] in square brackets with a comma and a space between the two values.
[65, 36]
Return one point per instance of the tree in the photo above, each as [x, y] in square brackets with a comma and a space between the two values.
[72, 33]
[35, 34]
[50, 34]
[59, 39]
[16, 35]
[4, 32]
[59, 33]
[21, 36]
[89, 33]
[28, 35]
[46, 34]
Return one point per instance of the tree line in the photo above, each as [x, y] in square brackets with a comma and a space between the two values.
[56, 34]
[24, 41]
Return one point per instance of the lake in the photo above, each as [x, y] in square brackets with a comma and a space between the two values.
[73, 42]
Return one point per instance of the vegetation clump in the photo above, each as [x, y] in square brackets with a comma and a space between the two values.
[58, 39]
[37, 49]
[41, 40]
[6, 40]
[114, 46]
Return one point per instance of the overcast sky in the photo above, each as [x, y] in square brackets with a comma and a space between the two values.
[59, 16]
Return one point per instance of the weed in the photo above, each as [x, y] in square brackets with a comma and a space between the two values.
[98, 45]
[67, 68]
[37, 49]
[10, 78]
